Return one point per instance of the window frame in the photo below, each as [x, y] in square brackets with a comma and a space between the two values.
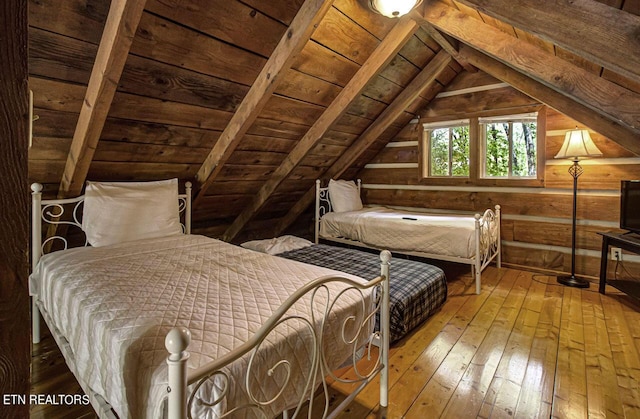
[475, 151]
[538, 180]
[511, 120]
[425, 150]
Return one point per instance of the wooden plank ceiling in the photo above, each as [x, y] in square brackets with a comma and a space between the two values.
[254, 100]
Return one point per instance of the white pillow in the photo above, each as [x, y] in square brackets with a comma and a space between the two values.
[116, 212]
[277, 244]
[344, 196]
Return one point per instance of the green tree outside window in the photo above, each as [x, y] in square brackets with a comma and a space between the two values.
[510, 149]
[449, 151]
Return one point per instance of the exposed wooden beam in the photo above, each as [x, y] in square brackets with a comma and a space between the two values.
[383, 54]
[588, 28]
[448, 44]
[424, 79]
[292, 42]
[606, 98]
[117, 37]
[612, 129]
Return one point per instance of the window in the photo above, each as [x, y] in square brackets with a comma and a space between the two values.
[491, 150]
[446, 149]
[509, 147]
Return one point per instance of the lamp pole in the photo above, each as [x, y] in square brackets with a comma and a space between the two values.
[575, 170]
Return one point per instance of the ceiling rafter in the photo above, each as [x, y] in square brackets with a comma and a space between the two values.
[625, 137]
[612, 34]
[291, 43]
[419, 83]
[117, 37]
[448, 44]
[383, 54]
[605, 98]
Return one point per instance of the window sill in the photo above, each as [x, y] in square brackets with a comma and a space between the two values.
[524, 183]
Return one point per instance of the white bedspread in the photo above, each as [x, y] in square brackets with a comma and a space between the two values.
[381, 227]
[115, 305]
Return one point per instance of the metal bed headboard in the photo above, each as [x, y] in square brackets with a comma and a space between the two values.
[323, 203]
[52, 211]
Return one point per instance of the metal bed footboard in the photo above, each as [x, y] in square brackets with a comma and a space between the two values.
[180, 404]
[487, 242]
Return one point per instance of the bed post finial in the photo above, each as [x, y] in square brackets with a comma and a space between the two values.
[176, 343]
[385, 256]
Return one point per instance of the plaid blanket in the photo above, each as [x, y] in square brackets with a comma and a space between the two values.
[417, 289]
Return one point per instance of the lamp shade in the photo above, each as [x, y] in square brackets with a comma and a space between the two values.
[577, 144]
[393, 8]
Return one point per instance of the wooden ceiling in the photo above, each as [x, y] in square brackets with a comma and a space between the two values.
[253, 100]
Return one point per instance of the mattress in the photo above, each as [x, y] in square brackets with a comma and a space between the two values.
[386, 228]
[416, 289]
[115, 304]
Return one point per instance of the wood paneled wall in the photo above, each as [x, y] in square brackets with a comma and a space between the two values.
[190, 65]
[14, 211]
[536, 225]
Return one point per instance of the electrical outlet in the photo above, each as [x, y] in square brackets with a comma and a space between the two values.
[616, 253]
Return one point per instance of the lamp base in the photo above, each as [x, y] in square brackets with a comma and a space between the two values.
[573, 281]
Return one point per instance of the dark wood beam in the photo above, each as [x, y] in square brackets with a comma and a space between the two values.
[603, 97]
[14, 211]
[618, 132]
[117, 37]
[292, 42]
[420, 82]
[383, 54]
[591, 29]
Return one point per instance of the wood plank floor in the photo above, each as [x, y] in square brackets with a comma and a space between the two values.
[525, 347]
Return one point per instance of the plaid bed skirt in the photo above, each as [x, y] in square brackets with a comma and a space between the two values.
[417, 289]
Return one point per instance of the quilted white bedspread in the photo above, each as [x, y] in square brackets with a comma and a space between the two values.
[115, 304]
[386, 228]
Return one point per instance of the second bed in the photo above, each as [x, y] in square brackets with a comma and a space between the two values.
[469, 239]
[416, 289]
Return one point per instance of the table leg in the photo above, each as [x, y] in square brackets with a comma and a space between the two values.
[604, 259]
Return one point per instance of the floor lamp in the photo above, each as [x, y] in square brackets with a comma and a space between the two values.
[577, 144]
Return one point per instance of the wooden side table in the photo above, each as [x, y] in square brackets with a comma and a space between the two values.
[629, 242]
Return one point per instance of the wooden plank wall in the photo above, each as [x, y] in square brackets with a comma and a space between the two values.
[14, 211]
[536, 226]
[189, 67]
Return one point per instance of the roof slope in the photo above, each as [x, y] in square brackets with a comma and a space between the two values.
[254, 100]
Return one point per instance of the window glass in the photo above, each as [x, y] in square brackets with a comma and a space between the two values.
[447, 149]
[509, 147]
[460, 151]
[439, 152]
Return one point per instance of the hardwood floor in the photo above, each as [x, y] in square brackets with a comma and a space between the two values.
[525, 347]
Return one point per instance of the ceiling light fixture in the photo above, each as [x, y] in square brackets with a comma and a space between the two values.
[393, 8]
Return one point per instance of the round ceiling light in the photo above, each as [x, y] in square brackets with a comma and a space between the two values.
[393, 8]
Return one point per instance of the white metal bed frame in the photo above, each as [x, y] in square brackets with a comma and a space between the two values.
[486, 237]
[179, 404]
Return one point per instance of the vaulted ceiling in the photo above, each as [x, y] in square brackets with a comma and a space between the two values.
[253, 100]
